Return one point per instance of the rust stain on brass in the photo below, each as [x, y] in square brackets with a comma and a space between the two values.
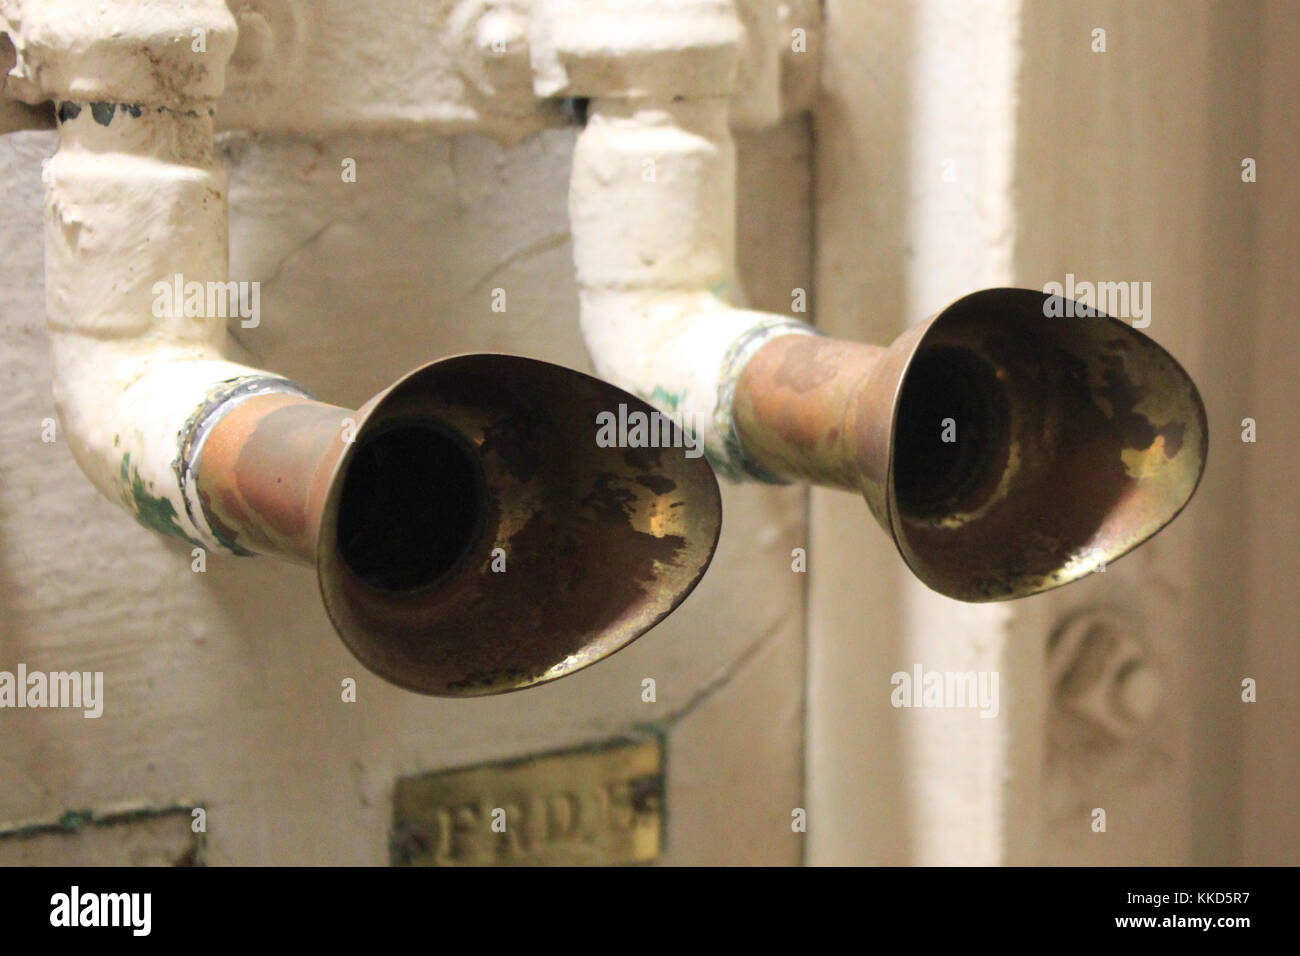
[1072, 441]
[470, 535]
[599, 805]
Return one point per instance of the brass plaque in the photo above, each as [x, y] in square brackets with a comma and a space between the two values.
[594, 805]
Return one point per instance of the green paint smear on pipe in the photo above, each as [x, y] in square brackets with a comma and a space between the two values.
[155, 513]
[662, 398]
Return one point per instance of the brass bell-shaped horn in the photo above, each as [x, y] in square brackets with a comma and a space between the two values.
[470, 534]
[1006, 448]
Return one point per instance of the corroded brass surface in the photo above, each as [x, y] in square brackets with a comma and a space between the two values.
[1005, 452]
[470, 535]
[602, 805]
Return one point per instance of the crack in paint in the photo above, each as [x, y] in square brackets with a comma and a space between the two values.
[73, 821]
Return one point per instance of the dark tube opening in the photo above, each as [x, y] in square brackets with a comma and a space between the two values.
[952, 427]
[412, 506]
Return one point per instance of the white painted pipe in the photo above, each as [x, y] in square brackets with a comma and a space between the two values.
[652, 201]
[136, 208]
[135, 204]
[652, 213]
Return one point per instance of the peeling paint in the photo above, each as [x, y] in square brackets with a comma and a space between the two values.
[152, 511]
[103, 112]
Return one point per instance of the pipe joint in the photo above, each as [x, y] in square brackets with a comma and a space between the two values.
[955, 433]
[650, 205]
[635, 48]
[137, 298]
[170, 54]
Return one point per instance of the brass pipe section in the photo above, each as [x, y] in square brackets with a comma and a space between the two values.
[471, 534]
[266, 470]
[796, 407]
[1004, 451]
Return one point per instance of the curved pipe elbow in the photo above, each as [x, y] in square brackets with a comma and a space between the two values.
[684, 353]
[650, 205]
[135, 227]
[137, 429]
[954, 433]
